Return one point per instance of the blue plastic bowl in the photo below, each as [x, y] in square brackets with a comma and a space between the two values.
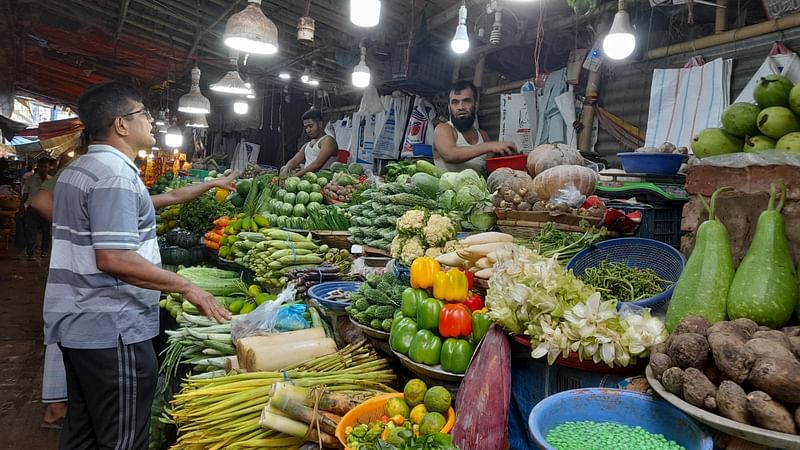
[635, 252]
[653, 163]
[422, 150]
[619, 406]
[320, 293]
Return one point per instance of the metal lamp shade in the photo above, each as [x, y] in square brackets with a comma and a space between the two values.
[251, 31]
[231, 83]
[194, 102]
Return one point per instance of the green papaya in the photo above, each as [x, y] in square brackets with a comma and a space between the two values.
[765, 287]
[702, 288]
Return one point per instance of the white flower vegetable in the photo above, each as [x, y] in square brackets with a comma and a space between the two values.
[534, 295]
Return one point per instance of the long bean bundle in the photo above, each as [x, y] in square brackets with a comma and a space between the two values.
[552, 241]
[224, 412]
[620, 282]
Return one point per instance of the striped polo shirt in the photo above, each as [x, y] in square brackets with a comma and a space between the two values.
[99, 203]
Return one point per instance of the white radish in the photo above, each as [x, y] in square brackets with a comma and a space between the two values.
[450, 259]
[485, 274]
[486, 238]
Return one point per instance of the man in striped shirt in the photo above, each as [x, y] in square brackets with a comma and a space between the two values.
[101, 299]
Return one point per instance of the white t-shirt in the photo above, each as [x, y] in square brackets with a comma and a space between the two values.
[31, 186]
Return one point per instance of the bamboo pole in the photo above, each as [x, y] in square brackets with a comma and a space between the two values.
[477, 80]
[587, 115]
[726, 37]
[721, 19]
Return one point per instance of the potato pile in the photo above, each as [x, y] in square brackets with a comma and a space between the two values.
[740, 370]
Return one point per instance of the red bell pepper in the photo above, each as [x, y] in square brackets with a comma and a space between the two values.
[474, 301]
[455, 320]
[470, 278]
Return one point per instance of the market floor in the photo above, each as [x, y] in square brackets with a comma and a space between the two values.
[22, 354]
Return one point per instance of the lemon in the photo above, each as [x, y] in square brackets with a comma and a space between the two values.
[395, 406]
[438, 399]
[433, 422]
[236, 306]
[254, 290]
[417, 413]
[414, 392]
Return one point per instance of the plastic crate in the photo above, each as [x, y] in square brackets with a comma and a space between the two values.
[659, 222]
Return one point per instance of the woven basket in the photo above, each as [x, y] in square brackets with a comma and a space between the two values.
[528, 230]
[335, 239]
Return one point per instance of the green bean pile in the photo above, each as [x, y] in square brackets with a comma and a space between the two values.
[617, 281]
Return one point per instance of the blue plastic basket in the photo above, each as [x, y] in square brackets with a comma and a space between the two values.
[321, 291]
[652, 163]
[425, 150]
[401, 272]
[618, 406]
[635, 252]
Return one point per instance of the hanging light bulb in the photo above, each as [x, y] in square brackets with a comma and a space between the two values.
[285, 76]
[313, 82]
[497, 28]
[142, 154]
[71, 154]
[305, 77]
[361, 71]
[240, 107]
[460, 42]
[161, 120]
[250, 31]
[620, 42]
[194, 102]
[232, 82]
[365, 13]
[174, 136]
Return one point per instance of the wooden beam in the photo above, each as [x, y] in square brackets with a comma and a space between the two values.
[200, 34]
[448, 14]
[123, 14]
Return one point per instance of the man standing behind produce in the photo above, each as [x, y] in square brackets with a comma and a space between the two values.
[101, 299]
[319, 152]
[457, 144]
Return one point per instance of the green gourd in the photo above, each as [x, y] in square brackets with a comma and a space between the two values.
[702, 288]
[765, 288]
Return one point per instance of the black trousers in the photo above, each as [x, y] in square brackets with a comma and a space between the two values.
[35, 224]
[110, 394]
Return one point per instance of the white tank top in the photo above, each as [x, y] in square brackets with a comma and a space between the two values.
[312, 152]
[477, 163]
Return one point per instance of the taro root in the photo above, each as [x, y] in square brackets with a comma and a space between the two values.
[689, 350]
[731, 356]
[735, 329]
[689, 324]
[672, 379]
[732, 402]
[794, 342]
[773, 335]
[661, 347]
[699, 390]
[780, 378]
[659, 362]
[768, 348]
[770, 414]
[791, 331]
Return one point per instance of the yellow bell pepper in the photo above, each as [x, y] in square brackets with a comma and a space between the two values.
[423, 270]
[450, 286]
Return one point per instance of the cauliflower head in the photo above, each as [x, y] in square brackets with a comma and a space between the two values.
[412, 249]
[397, 246]
[433, 252]
[412, 221]
[438, 231]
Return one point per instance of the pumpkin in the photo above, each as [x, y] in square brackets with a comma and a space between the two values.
[546, 156]
[182, 238]
[547, 184]
[498, 177]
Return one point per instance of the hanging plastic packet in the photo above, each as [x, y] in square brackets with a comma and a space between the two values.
[264, 319]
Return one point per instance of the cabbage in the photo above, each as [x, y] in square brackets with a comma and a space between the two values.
[468, 196]
[446, 200]
[448, 181]
[482, 218]
[469, 177]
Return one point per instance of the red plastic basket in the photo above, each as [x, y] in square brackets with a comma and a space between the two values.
[516, 162]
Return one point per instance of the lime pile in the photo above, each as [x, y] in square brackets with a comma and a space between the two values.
[590, 435]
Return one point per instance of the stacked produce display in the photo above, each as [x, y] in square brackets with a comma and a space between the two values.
[440, 320]
[770, 124]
